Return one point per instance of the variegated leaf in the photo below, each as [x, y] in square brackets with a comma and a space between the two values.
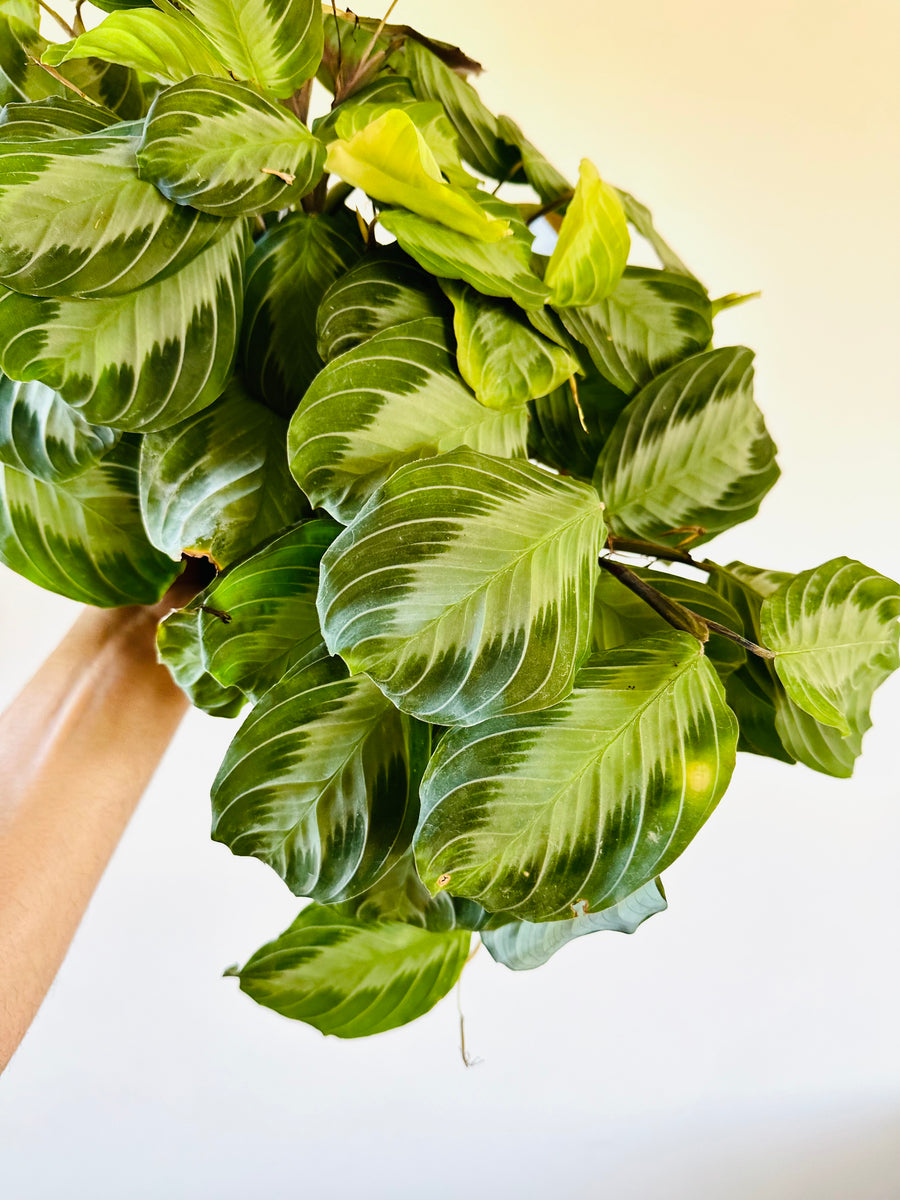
[275, 44]
[83, 539]
[464, 587]
[218, 483]
[651, 321]
[288, 273]
[220, 147]
[592, 248]
[354, 978]
[116, 88]
[55, 117]
[392, 400]
[141, 361]
[179, 648]
[576, 807]
[549, 184]
[41, 435]
[383, 289]
[691, 449]
[75, 219]
[568, 427]
[259, 618]
[21, 76]
[400, 895]
[501, 356]
[641, 219]
[835, 634]
[524, 945]
[146, 40]
[321, 782]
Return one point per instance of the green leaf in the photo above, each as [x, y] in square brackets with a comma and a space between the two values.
[390, 161]
[383, 289]
[115, 5]
[502, 358]
[140, 361]
[275, 45]
[41, 435]
[84, 538]
[321, 782]
[493, 268]
[691, 449]
[218, 483]
[569, 435]
[288, 273]
[392, 400]
[54, 117]
[259, 618]
[179, 648]
[524, 945]
[620, 616]
[835, 633]
[549, 184]
[146, 40]
[353, 978]
[27, 11]
[592, 248]
[651, 321]
[400, 895]
[223, 149]
[464, 587]
[641, 219]
[77, 220]
[580, 805]
[21, 77]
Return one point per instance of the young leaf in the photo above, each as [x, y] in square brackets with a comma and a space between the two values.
[179, 648]
[354, 978]
[41, 435]
[141, 361]
[592, 248]
[502, 358]
[321, 782]
[391, 161]
[277, 47]
[220, 147]
[384, 289]
[464, 587]
[259, 618]
[146, 40]
[691, 449]
[393, 399]
[524, 945]
[579, 805]
[83, 539]
[77, 221]
[218, 483]
[835, 633]
[288, 273]
[55, 117]
[651, 321]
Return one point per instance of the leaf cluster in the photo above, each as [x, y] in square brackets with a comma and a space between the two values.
[451, 487]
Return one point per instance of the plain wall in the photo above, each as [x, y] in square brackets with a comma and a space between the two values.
[744, 1043]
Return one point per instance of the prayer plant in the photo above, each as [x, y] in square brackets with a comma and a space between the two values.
[426, 461]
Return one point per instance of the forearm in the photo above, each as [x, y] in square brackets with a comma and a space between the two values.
[77, 748]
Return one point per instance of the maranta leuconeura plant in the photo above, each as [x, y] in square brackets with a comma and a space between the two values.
[452, 458]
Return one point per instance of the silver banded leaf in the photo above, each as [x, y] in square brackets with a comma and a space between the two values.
[178, 647]
[287, 275]
[321, 782]
[259, 618]
[220, 147]
[55, 117]
[354, 978]
[381, 290]
[84, 538]
[835, 634]
[691, 449]
[142, 361]
[146, 40]
[524, 945]
[652, 320]
[41, 435]
[494, 268]
[218, 483]
[115, 87]
[593, 243]
[392, 400]
[568, 433]
[275, 44]
[501, 356]
[579, 805]
[75, 219]
[464, 587]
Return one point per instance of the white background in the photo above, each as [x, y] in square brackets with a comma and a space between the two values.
[743, 1044]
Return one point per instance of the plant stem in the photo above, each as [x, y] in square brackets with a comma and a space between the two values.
[655, 550]
[298, 103]
[61, 21]
[336, 196]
